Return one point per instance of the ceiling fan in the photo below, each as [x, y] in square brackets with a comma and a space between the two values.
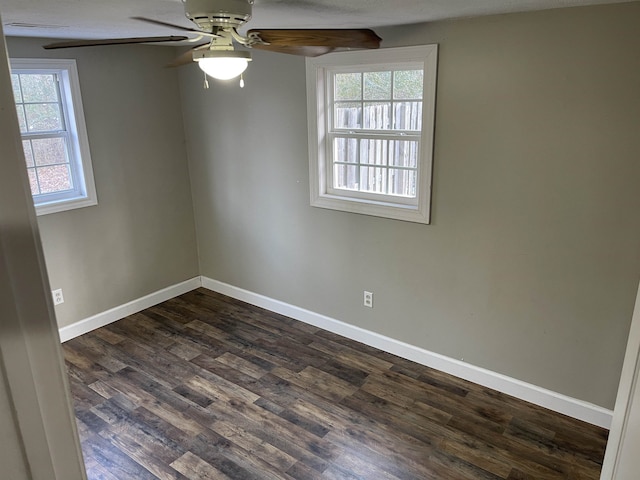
[218, 21]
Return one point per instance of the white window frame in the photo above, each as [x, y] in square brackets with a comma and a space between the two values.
[84, 191]
[320, 71]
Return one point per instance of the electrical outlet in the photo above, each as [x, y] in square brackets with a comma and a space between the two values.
[368, 299]
[57, 296]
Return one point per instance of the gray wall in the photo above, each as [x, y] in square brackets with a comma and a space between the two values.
[531, 264]
[140, 237]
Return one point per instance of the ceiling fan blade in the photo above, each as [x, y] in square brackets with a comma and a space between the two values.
[305, 50]
[112, 41]
[186, 58]
[336, 38]
[169, 25]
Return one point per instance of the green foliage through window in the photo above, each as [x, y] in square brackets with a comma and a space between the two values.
[40, 116]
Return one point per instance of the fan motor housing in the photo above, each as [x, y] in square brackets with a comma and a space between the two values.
[208, 14]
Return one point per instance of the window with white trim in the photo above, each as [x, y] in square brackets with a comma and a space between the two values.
[54, 137]
[371, 122]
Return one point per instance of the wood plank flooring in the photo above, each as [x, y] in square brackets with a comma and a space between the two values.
[206, 387]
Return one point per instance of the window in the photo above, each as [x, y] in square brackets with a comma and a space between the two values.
[371, 121]
[54, 138]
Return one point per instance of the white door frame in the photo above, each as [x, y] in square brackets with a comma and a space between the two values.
[44, 443]
[613, 467]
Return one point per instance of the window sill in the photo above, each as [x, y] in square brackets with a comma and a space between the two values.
[62, 206]
[407, 213]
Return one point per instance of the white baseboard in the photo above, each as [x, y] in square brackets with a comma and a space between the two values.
[557, 402]
[119, 312]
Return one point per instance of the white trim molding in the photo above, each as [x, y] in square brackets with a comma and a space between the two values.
[134, 306]
[543, 397]
[557, 402]
[39, 438]
[621, 455]
[323, 129]
[74, 131]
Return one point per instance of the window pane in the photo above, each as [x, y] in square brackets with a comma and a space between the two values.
[381, 103]
[407, 84]
[348, 115]
[28, 153]
[48, 151]
[345, 150]
[377, 85]
[54, 179]
[39, 88]
[42, 117]
[374, 151]
[345, 177]
[33, 182]
[22, 120]
[403, 154]
[407, 116]
[15, 83]
[373, 179]
[55, 158]
[377, 116]
[348, 86]
[402, 182]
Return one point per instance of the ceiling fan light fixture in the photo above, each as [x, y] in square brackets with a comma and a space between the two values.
[222, 64]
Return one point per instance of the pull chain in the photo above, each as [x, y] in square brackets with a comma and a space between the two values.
[241, 80]
[206, 82]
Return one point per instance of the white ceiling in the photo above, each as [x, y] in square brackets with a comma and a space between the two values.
[91, 19]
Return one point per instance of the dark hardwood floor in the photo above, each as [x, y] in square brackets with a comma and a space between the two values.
[205, 387]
